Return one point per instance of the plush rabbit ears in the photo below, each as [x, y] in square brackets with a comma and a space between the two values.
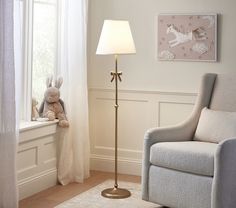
[49, 81]
[58, 82]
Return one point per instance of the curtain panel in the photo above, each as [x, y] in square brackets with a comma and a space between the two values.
[74, 150]
[8, 141]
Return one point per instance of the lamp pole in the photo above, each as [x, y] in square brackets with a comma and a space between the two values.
[116, 192]
[116, 118]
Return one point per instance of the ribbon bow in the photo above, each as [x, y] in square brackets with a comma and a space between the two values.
[114, 74]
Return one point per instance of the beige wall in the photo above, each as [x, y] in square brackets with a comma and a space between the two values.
[154, 93]
[143, 71]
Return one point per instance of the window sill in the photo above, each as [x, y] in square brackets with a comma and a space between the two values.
[28, 125]
[34, 130]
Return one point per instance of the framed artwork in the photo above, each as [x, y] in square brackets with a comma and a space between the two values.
[188, 37]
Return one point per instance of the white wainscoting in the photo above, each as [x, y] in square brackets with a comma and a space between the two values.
[138, 111]
[36, 159]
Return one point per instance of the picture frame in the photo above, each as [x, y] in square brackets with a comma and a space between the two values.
[187, 37]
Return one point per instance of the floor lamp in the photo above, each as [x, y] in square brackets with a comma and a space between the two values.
[116, 38]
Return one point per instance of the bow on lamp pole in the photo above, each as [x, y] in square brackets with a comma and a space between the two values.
[116, 38]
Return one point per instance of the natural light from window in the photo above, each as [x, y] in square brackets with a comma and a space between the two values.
[44, 45]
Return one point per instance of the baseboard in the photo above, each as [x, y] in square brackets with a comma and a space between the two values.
[125, 165]
[47, 179]
[37, 183]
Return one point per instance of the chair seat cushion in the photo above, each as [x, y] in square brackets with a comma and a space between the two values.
[191, 156]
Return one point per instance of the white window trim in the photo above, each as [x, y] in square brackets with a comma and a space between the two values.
[28, 58]
[26, 103]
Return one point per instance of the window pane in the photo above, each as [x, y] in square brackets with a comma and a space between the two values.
[44, 45]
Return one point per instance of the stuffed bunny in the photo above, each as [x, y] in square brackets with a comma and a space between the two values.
[53, 107]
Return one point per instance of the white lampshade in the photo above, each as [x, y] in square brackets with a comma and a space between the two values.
[116, 38]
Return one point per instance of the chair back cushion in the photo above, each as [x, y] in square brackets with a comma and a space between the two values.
[224, 93]
[215, 126]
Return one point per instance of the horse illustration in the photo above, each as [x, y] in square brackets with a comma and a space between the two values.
[196, 34]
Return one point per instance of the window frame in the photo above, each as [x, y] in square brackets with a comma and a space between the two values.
[27, 57]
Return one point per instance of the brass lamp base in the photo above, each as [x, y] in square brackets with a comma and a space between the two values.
[116, 193]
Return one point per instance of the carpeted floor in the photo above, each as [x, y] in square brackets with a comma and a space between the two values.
[93, 199]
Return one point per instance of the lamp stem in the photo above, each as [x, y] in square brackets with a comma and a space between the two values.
[115, 192]
[116, 118]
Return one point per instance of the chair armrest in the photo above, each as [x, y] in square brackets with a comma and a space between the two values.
[182, 132]
[224, 182]
[168, 134]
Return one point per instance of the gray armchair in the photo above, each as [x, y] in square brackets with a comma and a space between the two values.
[182, 171]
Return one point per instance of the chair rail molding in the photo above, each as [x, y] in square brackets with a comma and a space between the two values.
[138, 111]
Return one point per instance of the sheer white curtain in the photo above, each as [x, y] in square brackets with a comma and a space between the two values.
[8, 127]
[73, 164]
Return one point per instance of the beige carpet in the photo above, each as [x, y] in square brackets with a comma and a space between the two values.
[93, 199]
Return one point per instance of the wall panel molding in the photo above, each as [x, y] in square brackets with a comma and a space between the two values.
[36, 158]
[138, 111]
[130, 91]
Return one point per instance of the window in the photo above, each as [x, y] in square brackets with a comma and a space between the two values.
[40, 49]
[44, 45]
